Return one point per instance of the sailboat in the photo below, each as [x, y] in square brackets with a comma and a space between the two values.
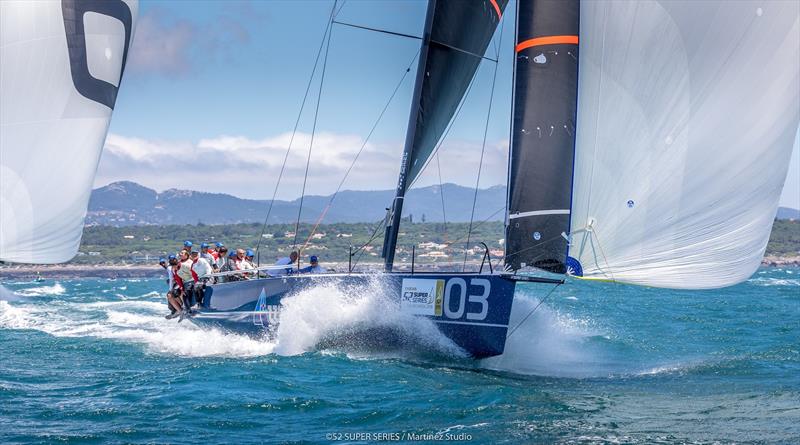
[61, 64]
[649, 145]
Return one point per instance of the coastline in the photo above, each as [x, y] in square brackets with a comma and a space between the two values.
[69, 271]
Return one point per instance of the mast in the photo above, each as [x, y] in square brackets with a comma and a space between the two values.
[543, 132]
[390, 238]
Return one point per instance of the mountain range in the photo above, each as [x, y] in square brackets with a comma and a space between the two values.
[127, 203]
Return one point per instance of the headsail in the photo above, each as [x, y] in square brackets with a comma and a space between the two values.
[543, 134]
[686, 120]
[460, 33]
[455, 37]
[60, 68]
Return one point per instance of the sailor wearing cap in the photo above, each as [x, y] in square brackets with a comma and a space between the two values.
[209, 254]
[314, 267]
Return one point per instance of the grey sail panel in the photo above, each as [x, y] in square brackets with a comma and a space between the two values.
[460, 33]
[543, 134]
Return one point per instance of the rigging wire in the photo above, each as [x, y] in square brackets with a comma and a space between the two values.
[372, 238]
[483, 150]
[294, 131]
[533, 310]
[441, 194]
[313, 131]
[363, 146]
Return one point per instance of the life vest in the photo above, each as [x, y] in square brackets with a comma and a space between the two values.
[177, 279]
[194, 274]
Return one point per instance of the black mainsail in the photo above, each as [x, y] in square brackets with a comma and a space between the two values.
[543, 134]
[454, 41]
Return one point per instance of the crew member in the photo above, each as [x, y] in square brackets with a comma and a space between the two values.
[314, 267]
[229, 266]
[201, 273]
[184, 272]
[241, 263]
[285, 261]
[174, 295]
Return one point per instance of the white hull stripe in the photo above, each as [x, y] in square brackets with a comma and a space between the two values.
[488, 325]
[250, 314]
[539, 212]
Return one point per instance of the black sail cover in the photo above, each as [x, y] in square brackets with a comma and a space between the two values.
[543, 134]
[460, 33]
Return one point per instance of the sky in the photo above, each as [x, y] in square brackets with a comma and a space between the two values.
[212, 91]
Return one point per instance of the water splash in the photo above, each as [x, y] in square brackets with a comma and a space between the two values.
[7, 294]
[549, 344]
[358, 319]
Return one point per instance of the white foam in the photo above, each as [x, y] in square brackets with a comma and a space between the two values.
[56, 289]
[348, 317]
[547, 343]
[774, 282]
[7, 294]
[139, 322]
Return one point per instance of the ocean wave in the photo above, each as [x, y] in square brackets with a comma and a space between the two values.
[56, 289]
[774, 281]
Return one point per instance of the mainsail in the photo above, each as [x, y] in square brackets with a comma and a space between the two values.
[60, 68]
[543, 134]
[687, 113]
[454, 41]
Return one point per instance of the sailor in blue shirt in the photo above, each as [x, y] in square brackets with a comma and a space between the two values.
[314, 267]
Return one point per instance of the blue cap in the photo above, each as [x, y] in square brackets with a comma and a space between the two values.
[187, 244]
[194, 252]
[219, 244]
[232, 254]
[203, 245]
[162, 260]
[172, 256]
[313, 259]
[249, 253]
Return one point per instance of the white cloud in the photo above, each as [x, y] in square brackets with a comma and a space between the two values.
[168, 44]
[249, 168]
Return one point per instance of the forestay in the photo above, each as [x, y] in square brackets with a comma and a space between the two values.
[61, 63]
[687, 113]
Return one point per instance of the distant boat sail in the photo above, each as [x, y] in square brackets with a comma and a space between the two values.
[61, 63]
[686, 115]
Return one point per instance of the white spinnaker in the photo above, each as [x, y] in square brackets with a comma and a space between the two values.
[51, 135]
[687, 114]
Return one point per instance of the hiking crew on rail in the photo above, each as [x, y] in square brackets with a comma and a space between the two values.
[190, 270]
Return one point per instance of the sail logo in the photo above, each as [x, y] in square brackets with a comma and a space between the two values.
[422, 297]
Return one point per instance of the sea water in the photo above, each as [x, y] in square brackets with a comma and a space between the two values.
[94, 361]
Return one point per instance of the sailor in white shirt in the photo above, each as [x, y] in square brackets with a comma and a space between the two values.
[285, 261]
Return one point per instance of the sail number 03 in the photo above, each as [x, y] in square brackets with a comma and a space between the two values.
[461, 297]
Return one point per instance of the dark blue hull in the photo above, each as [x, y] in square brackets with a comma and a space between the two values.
[470, 309]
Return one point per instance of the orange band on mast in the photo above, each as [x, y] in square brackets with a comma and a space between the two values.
[549, 40]
[496, 8]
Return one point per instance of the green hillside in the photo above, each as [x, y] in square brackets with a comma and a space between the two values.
[434, 242]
